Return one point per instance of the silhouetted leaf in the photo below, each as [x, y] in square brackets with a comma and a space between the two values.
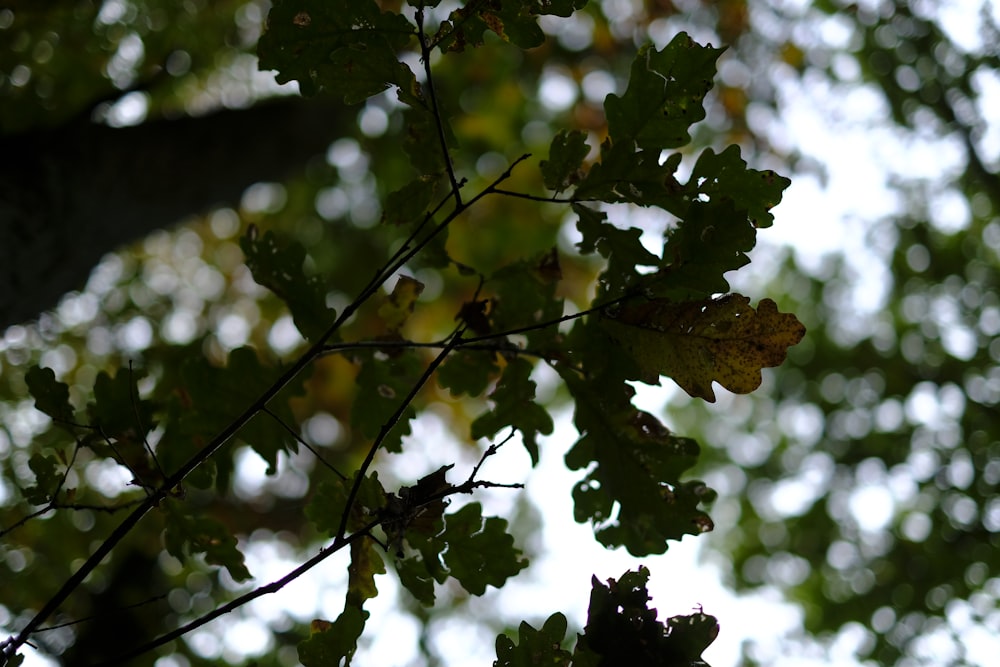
[330, 643]
[566, 155]
[639, 463]
[514, 406]
[621, 247]
[623, 631]
[326, 507]
[279, 268]
[47, 479]
[399, 305]
[665, 95]
[535, 648]
[468, 372]
[480, 553]
[725, 176]
[51, 396]
[382, 386]
[187, 534]
[345, 47]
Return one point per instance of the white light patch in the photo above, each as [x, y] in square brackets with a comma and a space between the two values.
[872, 507]
[557, 91]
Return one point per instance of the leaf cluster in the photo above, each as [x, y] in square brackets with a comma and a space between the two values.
[648, 314]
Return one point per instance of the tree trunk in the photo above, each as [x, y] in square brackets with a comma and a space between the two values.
[70, 195]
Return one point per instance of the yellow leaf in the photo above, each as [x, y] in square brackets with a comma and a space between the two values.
[399, 305]
[697, 342]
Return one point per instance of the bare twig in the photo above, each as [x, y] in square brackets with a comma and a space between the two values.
[302, 442]
[388, 425]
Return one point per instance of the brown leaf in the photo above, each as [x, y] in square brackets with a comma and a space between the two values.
[697, 342]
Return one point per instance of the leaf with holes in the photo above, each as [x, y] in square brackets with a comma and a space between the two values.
[696, 343]
[639, 465]
[278, 267]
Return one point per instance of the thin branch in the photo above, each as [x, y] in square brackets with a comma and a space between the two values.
[302, 442]
[388, 426]
[134, 398]
[273, 587]
[54, 504]
[425, 56]
[547, 200]
[490, 451]
[111, 612]
[157, 495]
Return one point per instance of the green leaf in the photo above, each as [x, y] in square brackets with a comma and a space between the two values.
[326, 507]
[468, 372]
[698, 342]
[398, 306]
[637, 177]
[665, 95]
[51, 396]
[346, 47]
[422, 142]
[280, 270]
[726, 176]
[623, 631]
[414, 577]
[566, 156]
[217, 393]
[514, 406]
[713, 239]
[188, 534]
[636, 463]
[382, 385]
[512, 20]
[409, 203]
[525, 295]
[47, 479]
[117, 410]
[535, 648]
[330, 643]
[480, 553]
[621, 247]
[365, 564]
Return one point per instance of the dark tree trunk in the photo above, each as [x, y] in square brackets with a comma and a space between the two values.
[70, 195]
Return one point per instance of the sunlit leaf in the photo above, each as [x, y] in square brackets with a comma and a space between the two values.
[399, 305]
[696, 343]
[365, 564]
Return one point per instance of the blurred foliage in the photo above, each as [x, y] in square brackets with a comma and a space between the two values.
[861, 480]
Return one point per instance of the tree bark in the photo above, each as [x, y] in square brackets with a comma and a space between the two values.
[72, 194]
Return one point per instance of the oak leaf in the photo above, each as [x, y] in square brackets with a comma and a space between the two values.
[697, 342]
